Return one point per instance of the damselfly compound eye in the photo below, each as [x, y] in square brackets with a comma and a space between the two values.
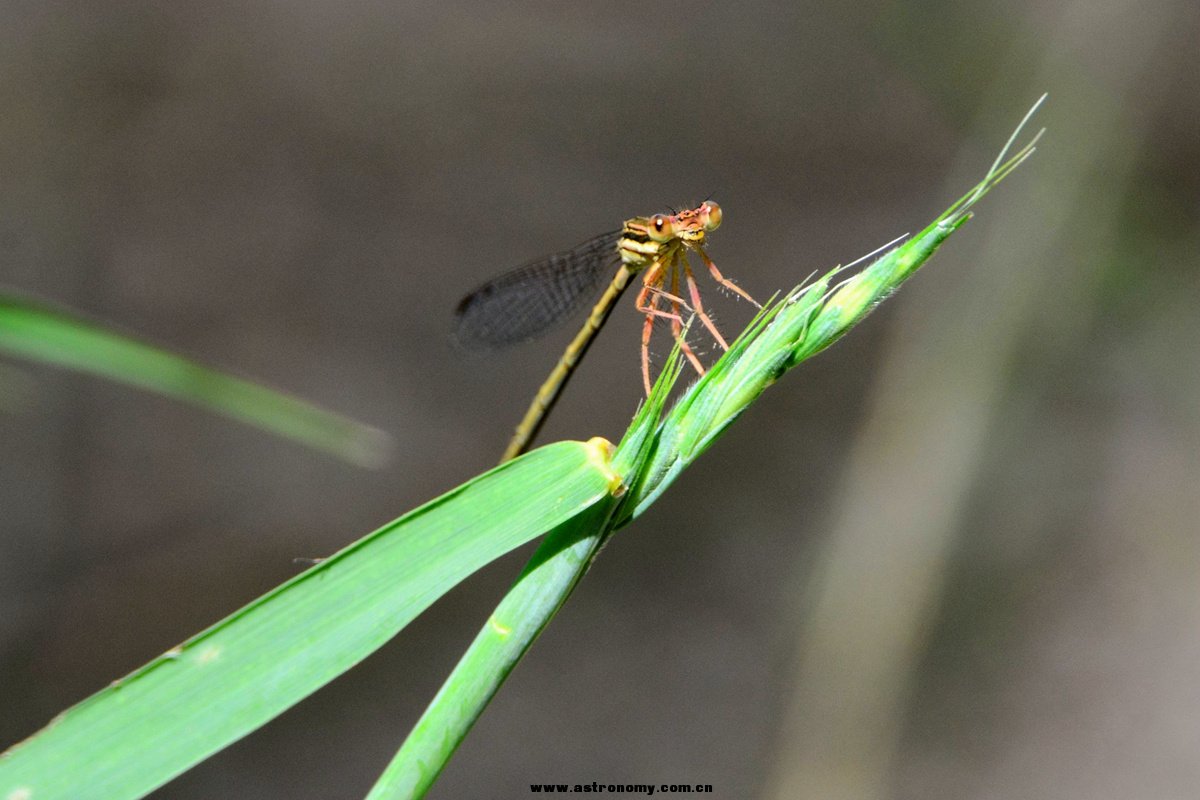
[661, 229]
[711, 215]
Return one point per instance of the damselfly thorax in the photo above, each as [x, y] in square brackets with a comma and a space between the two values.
[525, 302]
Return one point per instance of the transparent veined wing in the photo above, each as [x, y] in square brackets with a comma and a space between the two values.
[527, 301]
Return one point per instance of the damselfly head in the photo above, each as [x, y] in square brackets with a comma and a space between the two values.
[689, 226]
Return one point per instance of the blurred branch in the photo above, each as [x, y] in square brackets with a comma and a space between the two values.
[875, 593]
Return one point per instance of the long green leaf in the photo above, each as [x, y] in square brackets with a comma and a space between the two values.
[197, 698]
[35, 331]
[543, 586]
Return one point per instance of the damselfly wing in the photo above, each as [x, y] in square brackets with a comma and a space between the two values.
[526, 302]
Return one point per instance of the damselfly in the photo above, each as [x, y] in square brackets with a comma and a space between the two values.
[523, 303]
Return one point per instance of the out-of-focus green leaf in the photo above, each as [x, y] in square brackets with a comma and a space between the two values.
[41, 333]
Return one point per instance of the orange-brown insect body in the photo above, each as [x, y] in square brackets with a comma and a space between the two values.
[656, 247]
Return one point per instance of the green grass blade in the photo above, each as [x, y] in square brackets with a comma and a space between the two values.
[185, 705]
[786, 332]
[509, 632]
[808, 320]
[41, 333]
[542, 588]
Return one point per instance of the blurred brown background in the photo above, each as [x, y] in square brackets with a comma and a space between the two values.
[955, 556]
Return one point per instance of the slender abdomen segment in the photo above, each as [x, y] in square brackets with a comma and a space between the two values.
[547, 396]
